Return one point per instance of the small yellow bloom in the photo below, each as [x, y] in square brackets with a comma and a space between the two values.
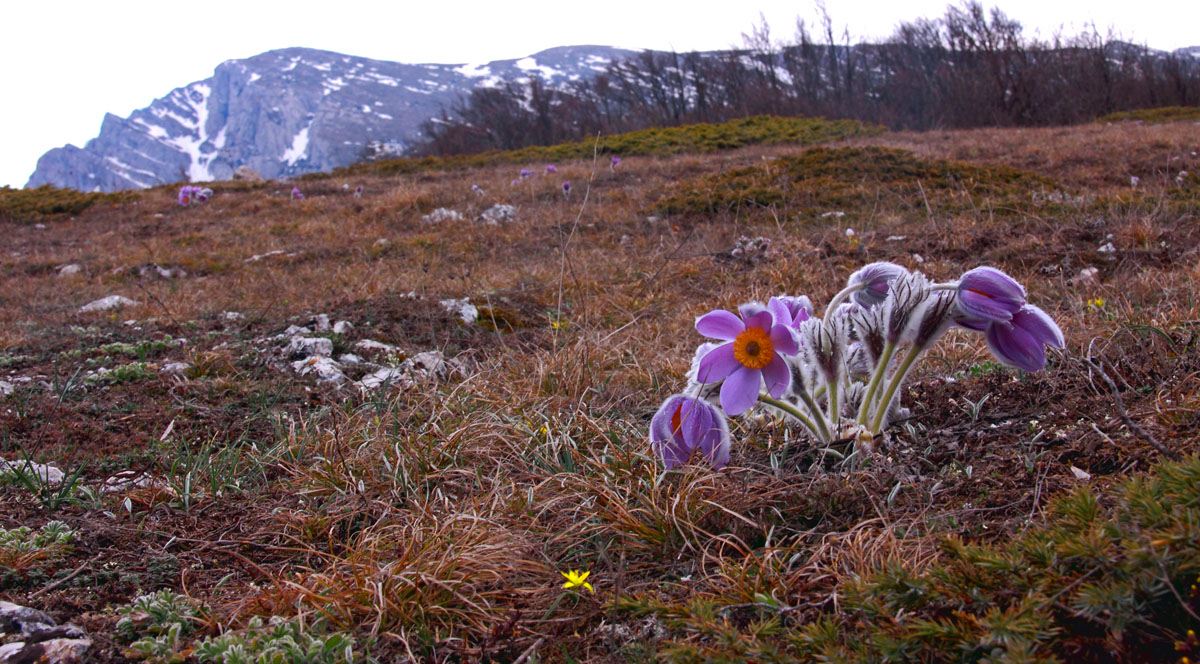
[1096, 303]
[576, 580]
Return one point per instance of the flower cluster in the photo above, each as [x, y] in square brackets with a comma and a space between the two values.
[297, 195]
[839, 376]
[189, 194]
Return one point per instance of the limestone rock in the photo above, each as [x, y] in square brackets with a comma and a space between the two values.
[106, 303]
[498, 214]
[246, 174]
[441, 215]
[307, 347]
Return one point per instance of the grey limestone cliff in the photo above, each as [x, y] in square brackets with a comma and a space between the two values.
[288, 112]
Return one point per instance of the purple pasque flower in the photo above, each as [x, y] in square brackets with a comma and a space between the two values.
[551, 168]
[202, 195]
[516, 183]
[296, 195]
[566, 188]
[872, 282]
[186, 194]
[612, 165]
[987, 294]
[685, 424]
[751, 357]
[790, 310]
[1019, 342]
[526, 173]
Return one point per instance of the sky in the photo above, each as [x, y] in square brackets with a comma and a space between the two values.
[68, 63]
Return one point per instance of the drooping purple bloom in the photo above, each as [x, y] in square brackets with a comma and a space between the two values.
[612, 165]
[987, 294]
[526, 173]
[358, 191]
[1019, 342]
[296, 195]
[685, 424]
[479, 190]
[751, 357]
[550, 168]
[202, 195]
[873, 281]
[790, 310]
[516, 183]
[567, 188]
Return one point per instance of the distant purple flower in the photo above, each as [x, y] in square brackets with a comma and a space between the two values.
[516, 183]
[987, 294]
[358, 191]
[685, 424]
[479, 190]
[202, 195]
[751, 356]
[789, 310]
[550, 168]
[296, 195]
[526, 173]
[612, 165]
[186, 194]
[567, 188]
[1019, 343]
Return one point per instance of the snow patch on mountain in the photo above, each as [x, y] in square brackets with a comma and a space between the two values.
[299, 147]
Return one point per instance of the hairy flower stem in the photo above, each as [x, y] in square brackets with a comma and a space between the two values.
[842, 294]
[818, 429]
[897, 378]
[885, 358]
[834, 416]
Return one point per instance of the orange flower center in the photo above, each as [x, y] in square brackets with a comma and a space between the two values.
[753, 348]
[677, 420]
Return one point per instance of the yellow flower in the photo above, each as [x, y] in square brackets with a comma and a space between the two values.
[576, 580]
[1096, 303]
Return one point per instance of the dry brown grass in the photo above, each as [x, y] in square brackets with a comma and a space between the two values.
[438, 521]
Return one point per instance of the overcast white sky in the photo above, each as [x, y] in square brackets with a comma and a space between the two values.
[68, 63]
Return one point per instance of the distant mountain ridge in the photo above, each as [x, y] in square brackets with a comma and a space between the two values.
[288, 112]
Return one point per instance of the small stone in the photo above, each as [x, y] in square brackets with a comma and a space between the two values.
[440, 215]
[462, 308]
[247, 174]
[17, 619]
[498, 214]
[1088, 275]
[349, 358]
[106, 303]
[1080, 474]
[174, 367]
[69, 270]
[322, 323]
[6, 388]
[231, 316]
[326, 369]
[343, 327]
[308, 346]
[47, 472]
[369, 345]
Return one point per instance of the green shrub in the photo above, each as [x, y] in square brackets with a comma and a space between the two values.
[852, 178]
[1163, 114]
[31, 205]
[758, 130]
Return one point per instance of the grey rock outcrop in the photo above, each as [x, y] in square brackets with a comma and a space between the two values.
[288, 112]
